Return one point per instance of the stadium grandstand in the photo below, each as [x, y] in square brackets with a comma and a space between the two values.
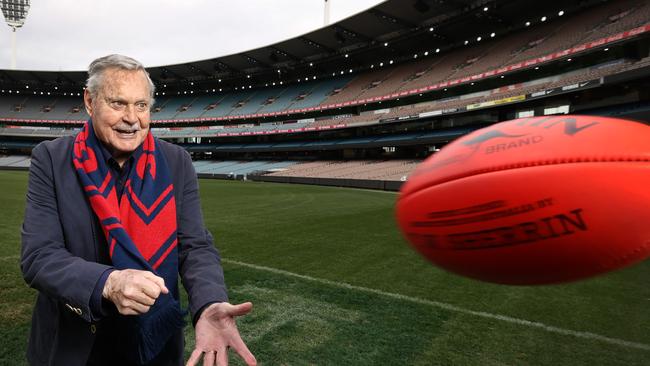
[363, 101]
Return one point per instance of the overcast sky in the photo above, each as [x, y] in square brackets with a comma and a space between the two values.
[68, 34]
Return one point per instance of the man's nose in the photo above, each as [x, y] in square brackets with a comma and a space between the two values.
[130, 114]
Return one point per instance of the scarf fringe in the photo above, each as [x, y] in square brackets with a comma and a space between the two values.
[155, 328]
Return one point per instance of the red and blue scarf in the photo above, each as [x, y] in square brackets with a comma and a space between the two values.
[140, 230]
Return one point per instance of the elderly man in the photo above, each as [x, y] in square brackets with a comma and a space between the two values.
[112, 217]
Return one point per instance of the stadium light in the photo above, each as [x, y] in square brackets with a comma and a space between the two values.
[492, 34]
[485, 8]
[426, 53]
[527, 24]
[437, 50]
[15, 12]
[560, 13]
[385, 44]
[543, 19]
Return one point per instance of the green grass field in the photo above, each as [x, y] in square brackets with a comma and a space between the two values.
[334, 283]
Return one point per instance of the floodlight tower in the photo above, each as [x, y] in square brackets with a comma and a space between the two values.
[15, 12]
[326, 13]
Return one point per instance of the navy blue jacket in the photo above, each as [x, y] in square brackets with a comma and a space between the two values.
[64, 252]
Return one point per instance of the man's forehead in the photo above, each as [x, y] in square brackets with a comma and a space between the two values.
[117, 81]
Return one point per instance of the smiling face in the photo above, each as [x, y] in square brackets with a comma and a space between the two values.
[120, 111]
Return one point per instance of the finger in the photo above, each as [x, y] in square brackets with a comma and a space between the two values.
[240, 309]
[151, 291]
[208, 358]
[222, 357]
[194, 358]
[242, 350]
[129, 307]
[159, 281]
[140, 294]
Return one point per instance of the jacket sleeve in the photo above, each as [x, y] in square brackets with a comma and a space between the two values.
[47, 263]
[200, 263]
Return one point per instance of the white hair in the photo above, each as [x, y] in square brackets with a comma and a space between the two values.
[97, 67]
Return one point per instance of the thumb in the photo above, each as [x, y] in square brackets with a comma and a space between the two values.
[158, 281]
[239, 309]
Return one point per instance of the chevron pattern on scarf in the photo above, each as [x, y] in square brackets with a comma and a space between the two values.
[140, 230]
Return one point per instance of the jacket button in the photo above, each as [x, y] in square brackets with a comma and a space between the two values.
[93, 329]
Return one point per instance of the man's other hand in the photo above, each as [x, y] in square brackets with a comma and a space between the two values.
[133, 291]
[216, 332]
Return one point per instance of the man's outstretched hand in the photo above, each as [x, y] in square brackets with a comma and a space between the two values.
[216, 332]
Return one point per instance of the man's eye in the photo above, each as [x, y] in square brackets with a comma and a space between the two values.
[117, 105]
[141, 106]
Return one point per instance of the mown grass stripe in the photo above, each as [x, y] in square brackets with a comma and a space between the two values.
[449, 307]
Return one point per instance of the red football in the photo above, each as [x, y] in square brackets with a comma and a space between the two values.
[534, 200]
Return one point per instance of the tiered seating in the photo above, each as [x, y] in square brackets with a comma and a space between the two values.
[253, 102]
[541, 39]
[67, 109]
[625, 15]
[173, 107]
[320, 91]
[356, 88]
[10, 105]
[15, 161]
[226, 104]
[239, 167]
[360, 169]
[414, 109]
[281, 100]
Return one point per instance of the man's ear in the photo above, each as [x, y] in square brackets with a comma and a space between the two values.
[88, 102]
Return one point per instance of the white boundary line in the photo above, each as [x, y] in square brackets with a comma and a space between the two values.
[9, 257]
[449, 307]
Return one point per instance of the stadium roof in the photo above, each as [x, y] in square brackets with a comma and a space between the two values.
[393, 31]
